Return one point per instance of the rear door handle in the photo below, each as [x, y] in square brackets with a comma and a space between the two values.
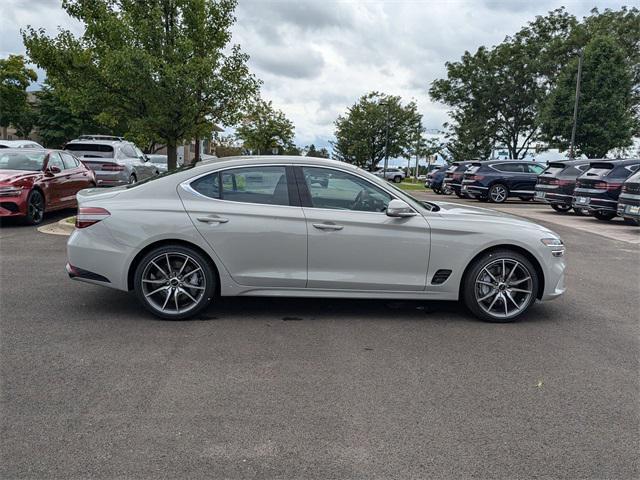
[212, 219]
[327, 226]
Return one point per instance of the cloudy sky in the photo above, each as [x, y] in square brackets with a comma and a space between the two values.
[316, 57]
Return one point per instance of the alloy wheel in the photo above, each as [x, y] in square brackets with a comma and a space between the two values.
[36, 207]
[498, 193]
[503, 288]
[173, 283]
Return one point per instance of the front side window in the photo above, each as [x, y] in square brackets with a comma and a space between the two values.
[342, 191]
[266, 185]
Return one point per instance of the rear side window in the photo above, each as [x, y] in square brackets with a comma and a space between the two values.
[473, 169]
[209, 185]
[510, 167]
[69, 161]
[265, 185]
[537, 169]
[597, 172]
[128, 151]
[91, 150]
[551, 171]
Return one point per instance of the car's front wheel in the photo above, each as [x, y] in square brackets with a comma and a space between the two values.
[397, 179]
[174, 282]
[35, 208]
[500, 286]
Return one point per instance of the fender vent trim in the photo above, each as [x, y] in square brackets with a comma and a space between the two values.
[440, 277]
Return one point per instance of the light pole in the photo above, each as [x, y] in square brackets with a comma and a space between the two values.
[575, 107]
[386, 141]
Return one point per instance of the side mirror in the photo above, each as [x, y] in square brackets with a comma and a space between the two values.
[399, 209]
[53, 169]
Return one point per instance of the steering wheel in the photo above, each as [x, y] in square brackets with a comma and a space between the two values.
[361, 200]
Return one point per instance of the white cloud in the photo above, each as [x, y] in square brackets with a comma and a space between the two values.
[316, 57]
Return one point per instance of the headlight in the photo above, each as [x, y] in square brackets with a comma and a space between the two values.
[556, 245]
[10, 191]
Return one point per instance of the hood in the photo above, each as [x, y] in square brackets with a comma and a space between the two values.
[489, 215]
[10, 176]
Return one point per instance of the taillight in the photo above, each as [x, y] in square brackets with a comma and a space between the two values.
[88, 216]
[600, 185]
[625, 188]
[613, 186]
[112, 167]
[476, 178]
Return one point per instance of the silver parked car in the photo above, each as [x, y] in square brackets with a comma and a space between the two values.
[114, 160]
[20, 144]
[305, 227]
[393, 174]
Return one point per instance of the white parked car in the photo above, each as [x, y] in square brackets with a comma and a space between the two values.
[393, 174]
[20, 144]
[305, 227]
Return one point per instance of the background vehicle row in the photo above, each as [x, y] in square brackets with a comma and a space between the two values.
[498, 180]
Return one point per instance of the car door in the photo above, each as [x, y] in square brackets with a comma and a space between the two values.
[145, 165]
[251, 218]
[76, 178]
[56, 184]
[353, 244]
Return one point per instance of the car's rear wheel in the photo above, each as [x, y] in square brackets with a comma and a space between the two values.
[500, 286]
[174, 282]
[35, 208]
[397, 179]
[632, 222]
[560, 207]
[498, 193]
[604, 215]
[133, 179]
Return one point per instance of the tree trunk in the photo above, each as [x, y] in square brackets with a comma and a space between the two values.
[172, 155]
[197, 153]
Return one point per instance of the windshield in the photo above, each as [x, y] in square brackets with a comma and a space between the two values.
[26, 160]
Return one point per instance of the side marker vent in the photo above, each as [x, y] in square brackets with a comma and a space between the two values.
[440, 277]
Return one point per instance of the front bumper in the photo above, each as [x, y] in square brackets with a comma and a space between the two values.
[15, 205]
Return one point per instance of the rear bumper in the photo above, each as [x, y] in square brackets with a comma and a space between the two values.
[550, 195]
[629, 206]
[111, 179]
[594, 200]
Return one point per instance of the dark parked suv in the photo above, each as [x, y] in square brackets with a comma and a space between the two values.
[556, 184]
[599, 187]
[453, 177]
[629, 200]
[497, 180]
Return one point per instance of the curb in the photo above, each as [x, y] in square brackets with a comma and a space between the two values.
[61, 227]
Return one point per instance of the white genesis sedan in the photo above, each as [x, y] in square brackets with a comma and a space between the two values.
[305, 227]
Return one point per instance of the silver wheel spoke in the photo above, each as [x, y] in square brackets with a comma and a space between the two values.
[504, 269]
[518, 282]
[521, 290]
[155, 291]
[490, 274]
[182, 290]
[175, 299]
[192, 272]
[168, 262]
[166, 300]
[488, 295]
[512, 300]
[489, 284]
[512, 271]
[194, 286]
[153, 281]
[495, 299]
[186, 260]
[506, 307]
[158, 267]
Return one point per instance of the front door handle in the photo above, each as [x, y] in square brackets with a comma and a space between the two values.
[212, 219]
[328, 226]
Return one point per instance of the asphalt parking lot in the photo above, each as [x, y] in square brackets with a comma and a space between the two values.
[94, 387]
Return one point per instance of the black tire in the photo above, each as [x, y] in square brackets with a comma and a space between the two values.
[459, 194]
[498, 193]
[397, 179]
[208, 277]
[133, 179]
[561, 207]
[632, 221]
[526, 199]
[35, 208]
[581, 212]
[468, 294]
[603, 215]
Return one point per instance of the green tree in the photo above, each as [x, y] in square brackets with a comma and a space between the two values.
[605, 114]
[264, 130]
[164, 67]
[57, 123]
[15, 78]
[361, 134]
[312, 151]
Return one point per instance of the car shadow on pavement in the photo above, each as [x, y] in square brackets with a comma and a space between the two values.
[51, 217]
[125, 306]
